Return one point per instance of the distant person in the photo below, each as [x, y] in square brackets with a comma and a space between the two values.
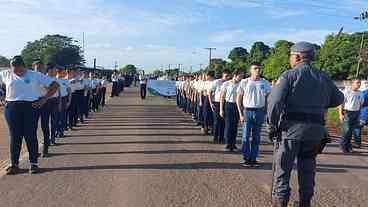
[114, 79]
[65, 98]
[349, 113]
[363, 117]
[104, 83]
[143, 86]
[49, 112]
[23, 100]
[214, 94]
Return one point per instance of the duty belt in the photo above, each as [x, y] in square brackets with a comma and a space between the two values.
[305, 118]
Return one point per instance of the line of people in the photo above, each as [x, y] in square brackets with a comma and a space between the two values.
[60, 98]
[118, 83]
[217, 105]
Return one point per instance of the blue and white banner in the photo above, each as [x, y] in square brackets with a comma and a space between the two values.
[162, 87]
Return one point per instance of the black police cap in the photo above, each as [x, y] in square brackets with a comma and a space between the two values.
[17, 61]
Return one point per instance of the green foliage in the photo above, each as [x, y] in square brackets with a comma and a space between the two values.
[333, 117]
[129, 70]
[4, 62]
[59, 49]
[278, 61]
[259, 52]
[238, 54]
[172, 72]
[218, 65]
[339, 57]
[158, 73]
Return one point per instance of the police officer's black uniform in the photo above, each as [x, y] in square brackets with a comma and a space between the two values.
[302, 95]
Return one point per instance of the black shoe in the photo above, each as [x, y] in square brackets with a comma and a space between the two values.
[235, 148]
[344, 149]
[254, 163]
[34, 169]
[12, 170]
[246, 163]
[45, 155]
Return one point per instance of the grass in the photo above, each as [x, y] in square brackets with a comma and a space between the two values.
[333, 118]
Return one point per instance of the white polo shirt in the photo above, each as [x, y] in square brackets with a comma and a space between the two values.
[353, 100]
[104, 83]
[230, 88]
[114, 78]
[254, 92]
[26, 87]
[216, 88]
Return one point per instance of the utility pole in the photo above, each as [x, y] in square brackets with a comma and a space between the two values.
[179, 67]
[200, 66]
[210, 56]
[363, 17]
[116, 65]
[83, 43]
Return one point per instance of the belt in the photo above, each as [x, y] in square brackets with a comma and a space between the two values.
[21, 102]
[253, 109]
[350, 111]
[305, 118]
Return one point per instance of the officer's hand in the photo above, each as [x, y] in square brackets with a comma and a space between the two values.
[222, 113]
[342, 117]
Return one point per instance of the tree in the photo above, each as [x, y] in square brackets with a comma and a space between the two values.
[339, 58]
[4, 62]
[218, 65]
[129, 69]
[238, 54]
[59, 49]
[259, 52]
[158, 73]
[278, 61]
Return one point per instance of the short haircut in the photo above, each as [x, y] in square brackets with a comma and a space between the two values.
[211, 73]
[256, 64]
[226, 71]
[51, 66]
[237, 72]
[17, 61]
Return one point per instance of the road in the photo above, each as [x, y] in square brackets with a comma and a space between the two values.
[148, 153]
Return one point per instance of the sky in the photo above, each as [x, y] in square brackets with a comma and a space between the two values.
[153, 34]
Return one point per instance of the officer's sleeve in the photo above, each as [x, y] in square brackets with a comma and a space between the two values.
[336, 96]
[276, 101]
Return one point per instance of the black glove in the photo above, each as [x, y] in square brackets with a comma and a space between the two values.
[274, 134]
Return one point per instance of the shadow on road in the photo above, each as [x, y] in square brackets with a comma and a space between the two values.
[193, 166]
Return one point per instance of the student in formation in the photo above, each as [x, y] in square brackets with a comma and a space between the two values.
[251, 101]
[229, 110]
[23, 101]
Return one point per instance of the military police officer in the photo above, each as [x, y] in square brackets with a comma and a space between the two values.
[299, 113]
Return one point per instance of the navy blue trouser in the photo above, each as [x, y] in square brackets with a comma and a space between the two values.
[218, 124]
[231, 123]
[22, 119]
[49, 112]
[114, 91]
[207, 114]
[143, 91]
[351, 122]
[62, 116]
[72, 111]
[103, 96]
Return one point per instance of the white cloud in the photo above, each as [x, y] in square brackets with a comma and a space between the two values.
[295, 35]
[230, 3]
